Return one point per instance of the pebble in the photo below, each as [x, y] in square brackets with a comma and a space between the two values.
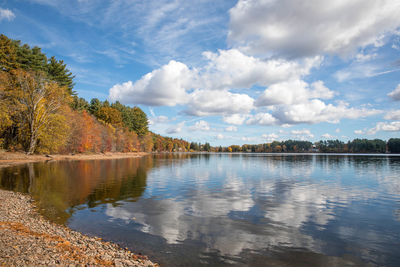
[27, 239]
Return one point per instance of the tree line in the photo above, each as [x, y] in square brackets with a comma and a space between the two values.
[41, 113]
[323, 146]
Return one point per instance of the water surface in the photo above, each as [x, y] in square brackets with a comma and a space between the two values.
[228, 209]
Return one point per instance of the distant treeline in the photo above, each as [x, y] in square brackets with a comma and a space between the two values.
[326, 146]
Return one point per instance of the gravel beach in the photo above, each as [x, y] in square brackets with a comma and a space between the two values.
[27, 239]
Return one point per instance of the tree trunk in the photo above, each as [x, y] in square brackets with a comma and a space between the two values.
[32, 144]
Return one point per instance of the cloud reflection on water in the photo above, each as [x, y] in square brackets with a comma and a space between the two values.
[227, 206]
[234, 207]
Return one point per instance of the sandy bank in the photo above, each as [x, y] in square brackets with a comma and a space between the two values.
[11, 158]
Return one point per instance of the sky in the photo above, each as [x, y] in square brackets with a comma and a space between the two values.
[229, 72]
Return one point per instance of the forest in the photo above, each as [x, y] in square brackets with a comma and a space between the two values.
[323, 146]
[41, 113]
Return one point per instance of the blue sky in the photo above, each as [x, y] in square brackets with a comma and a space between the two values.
[230, 72]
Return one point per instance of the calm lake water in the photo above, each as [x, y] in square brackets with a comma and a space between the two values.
[228, 209]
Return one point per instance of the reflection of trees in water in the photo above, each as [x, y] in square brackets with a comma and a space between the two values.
[229, 202]
[58, 187]
[179, 159]
[394, 164]
[15, 178]
[368, 162]
[359, 162]
[123, 180]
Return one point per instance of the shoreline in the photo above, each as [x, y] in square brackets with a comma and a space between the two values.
[8, 159]
[28, 239]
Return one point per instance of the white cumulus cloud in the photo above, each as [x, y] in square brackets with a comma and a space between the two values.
[393, 126]
[292, 37]
[291, 92]
[236, 119]
[315, 111]
[162, 87]
[233, 69]
[262, 119]
[211, 102]
[313, 27]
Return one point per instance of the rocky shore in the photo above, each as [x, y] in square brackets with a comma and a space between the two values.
[27, 239]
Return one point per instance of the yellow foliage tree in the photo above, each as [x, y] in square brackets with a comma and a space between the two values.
[54, 134]
[38, 101]
[5, 118]
[110, 115]
[147, 143]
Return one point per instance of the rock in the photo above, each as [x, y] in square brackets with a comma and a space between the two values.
[26, 239]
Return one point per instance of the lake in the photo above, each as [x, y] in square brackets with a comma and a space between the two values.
[228, 209]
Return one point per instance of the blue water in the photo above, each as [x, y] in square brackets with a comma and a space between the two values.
[229, 209]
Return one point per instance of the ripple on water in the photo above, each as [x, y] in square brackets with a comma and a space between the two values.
[228, 209]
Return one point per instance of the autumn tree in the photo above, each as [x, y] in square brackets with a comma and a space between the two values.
[5, 112]
[34, 113]
[85, 134]
[109, 115]
[54, 135]
[38, 101]
[146, 142]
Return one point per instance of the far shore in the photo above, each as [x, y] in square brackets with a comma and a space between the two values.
[15, 158]
[8, 159]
